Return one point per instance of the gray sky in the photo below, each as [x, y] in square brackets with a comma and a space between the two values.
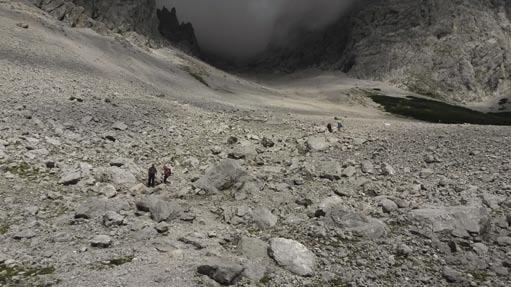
[240, 29]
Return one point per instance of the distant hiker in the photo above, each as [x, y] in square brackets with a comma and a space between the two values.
[167, 172]
[329, 127]
[339, 126]
[152, 176]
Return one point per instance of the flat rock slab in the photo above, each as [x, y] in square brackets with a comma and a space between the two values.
[102, 241]
[348, 219]
[293, 256]
[161, 210]
[461, 220]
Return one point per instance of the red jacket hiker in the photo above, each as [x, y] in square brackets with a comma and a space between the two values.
[167, 172]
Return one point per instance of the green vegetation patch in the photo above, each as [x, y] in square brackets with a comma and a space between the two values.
[480, 276]
[438, 112]
[112, 262]
[4, 228]
[23, 170]
[120, 261]
[10, 275]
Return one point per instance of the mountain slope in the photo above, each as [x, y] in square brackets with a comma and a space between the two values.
[453, 50]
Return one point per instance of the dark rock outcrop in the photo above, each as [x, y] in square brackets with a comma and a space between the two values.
[180, 34]
[119, 16]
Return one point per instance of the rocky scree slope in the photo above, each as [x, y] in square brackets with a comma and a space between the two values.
[452, 50]
[258, 198]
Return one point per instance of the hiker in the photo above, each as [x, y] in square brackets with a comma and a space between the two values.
[152, 176]
[339, 126]
[329, 127]
[167, 172]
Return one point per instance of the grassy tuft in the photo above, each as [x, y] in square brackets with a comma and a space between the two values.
[10, 275]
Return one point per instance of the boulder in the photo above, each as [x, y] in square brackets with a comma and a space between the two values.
[253, 248]
[388, 205]
[101, 241]
[329, 169]
[221, 176]
[387, 169]
[345, 218]
[121, 176]
[225, 273]
[96, 207]
[108, 191]
[317, 143]
[349, 171]
[367, 167]
[293, 256]
[267, 142]
[160, 209]
[461, 220]
[112, 218]
[70, 177]
[120, 126]
[263, 218]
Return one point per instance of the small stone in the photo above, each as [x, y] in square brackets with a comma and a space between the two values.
[232, 140]
[349, 171]
[388, 205]
[267, 143]
[403, 250]
[216, 150]
[451, 275]
[162, 227]
[264, 218]
[426, 172]
[24, 234]
[23, 25]
[223, 273]
[112, 218]
[108, 191]
[480, 248]
[101, 241]
[71, 177]
[120, 126]
[367, 167]
[387, 169]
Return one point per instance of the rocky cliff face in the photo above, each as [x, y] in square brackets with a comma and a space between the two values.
[116, 15]
[122, 16]
[454, 50]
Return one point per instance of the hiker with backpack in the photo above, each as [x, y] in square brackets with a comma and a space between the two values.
[167, 172]
[152, 176]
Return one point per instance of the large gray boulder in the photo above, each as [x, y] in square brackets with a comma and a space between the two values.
[460, 220]
[221, 176]
[339, 216]
[293, 256]
[160, 209]
[317, 143]
[96, 207]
